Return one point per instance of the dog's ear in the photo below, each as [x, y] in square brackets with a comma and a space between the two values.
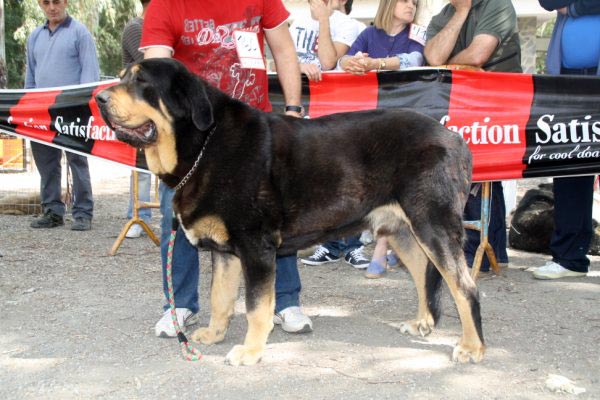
[200, 106]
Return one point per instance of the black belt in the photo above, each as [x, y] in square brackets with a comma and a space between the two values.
[579, 71]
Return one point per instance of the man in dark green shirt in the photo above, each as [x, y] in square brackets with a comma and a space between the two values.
[481, 34]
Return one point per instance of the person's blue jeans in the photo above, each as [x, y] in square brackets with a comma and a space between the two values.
[144, 186]
[287, 283]
[496, 230]
[340, 247]
[573, 231]
[185, 269]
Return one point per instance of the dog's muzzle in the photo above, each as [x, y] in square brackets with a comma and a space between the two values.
[137, 136]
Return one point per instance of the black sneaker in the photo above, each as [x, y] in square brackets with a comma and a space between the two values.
[82, 224]
[321, 256]
[48, 220]
[357, 259]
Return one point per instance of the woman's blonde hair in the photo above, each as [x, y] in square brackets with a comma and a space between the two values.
[385, 14]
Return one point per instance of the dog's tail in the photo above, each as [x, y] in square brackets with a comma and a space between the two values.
[433, 281]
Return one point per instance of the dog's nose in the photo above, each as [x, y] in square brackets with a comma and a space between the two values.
[102, 98]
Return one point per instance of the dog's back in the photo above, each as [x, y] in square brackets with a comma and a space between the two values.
[333, 171]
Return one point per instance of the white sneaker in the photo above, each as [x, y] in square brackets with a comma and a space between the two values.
[552, 270]
[135, 231]
[165, 328]
[293, 320]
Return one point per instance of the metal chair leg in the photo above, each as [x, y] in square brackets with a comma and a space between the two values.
[135, 219]
[483, 227]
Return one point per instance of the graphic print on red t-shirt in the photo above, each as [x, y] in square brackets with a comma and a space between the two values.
[201, 36]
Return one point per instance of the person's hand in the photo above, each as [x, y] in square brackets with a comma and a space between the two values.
[312, 71]
[320, 10]
[461, 5]
[357, 64]
[563, 10]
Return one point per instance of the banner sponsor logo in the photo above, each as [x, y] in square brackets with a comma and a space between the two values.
[578, 133]
[563, 134]
[575, 131]
[28, 123]
[485, 132]
[86, 131]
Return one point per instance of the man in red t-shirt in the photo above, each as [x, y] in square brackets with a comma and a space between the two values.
[200, 34]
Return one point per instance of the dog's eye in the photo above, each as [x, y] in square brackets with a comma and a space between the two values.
[140, 79]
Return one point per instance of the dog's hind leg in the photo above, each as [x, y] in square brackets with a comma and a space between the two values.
[471, 345]
[224, 290]
[427, 281]
[391, 221]
[447, 255]
[259, 273]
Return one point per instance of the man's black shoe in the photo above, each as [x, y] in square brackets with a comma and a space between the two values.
[48, 220]
[82, 224]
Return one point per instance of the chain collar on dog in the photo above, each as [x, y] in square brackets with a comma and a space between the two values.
[195, 166]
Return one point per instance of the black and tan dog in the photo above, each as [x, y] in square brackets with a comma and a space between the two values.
[250, 185]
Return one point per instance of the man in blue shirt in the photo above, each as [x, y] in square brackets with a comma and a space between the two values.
[574, 49]
[61, 52]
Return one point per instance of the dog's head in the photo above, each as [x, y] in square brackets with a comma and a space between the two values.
[155, 98]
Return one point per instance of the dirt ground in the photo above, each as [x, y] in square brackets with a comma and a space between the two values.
[78, 324]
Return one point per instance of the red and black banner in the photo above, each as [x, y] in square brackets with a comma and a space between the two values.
[516, 125]
[67, 118]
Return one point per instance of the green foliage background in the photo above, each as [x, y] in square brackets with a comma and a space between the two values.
[105, 19]
[543, 31]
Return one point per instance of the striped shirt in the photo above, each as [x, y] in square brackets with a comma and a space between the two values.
[130, 41]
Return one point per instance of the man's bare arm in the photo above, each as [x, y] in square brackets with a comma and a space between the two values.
[328, 51]
[157, 52]
[438, 49]
[286, 61]
[478, 53]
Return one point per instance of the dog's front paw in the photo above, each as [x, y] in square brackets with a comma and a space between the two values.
[416, 327]
[243, 355]
[208, 335]
[464, 353]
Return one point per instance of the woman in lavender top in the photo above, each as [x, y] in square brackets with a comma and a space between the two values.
[386, 45]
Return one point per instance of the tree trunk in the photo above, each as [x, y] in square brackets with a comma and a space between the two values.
[2, 51]
[3, 70]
